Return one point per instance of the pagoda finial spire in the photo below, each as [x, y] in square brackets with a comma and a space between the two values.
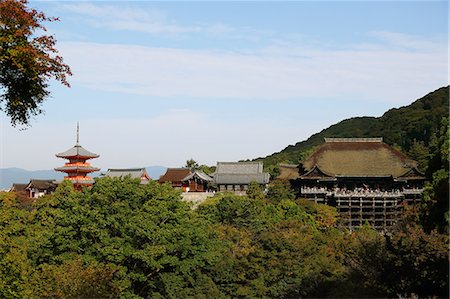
[78, 133]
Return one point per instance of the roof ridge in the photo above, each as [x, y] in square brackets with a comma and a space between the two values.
[349, 139]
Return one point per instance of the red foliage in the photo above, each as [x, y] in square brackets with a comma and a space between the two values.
[27, 60]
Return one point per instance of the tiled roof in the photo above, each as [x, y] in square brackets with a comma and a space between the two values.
[134, 173]
[79, 151]
[42, 184]
[200, 174]
[358, 158]
[240, 173]
[239, 167]
[241, 179]
[174, 175]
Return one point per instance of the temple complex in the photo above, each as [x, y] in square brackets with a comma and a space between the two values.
[77, 169]
[364, 178]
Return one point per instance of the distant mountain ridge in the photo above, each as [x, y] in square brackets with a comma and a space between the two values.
[398, 126]
[8, 176]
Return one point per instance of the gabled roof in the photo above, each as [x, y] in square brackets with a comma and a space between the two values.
[42, 184]
[18, 187]
[134, 173]
[174, 175]
[411, 174]
[358, 157]
[199, 174]
[77, 151]
[317, 174]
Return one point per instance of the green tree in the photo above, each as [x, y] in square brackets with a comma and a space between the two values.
[279, 190]
[156, 245]
[255, 190]
[419, 152]
[435, 204]
[27, 61]
[192, 164]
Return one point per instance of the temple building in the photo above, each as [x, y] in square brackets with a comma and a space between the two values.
[237, 176]
[77, 169]
[197, 181]
[175, 176]
[134, 173]
[364, 178]
[37, 188]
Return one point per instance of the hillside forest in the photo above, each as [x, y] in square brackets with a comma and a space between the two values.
[121, 239]
[411, 129]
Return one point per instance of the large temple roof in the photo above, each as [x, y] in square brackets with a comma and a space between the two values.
[77, 151]
[358, 157]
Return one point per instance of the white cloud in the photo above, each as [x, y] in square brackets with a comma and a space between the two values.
[282, 71]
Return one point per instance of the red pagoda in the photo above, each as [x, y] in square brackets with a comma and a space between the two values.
[77, 168]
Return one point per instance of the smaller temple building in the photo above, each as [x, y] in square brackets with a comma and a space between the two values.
[364, 178]
[77, 168]
[175, 176]
[37, 188]
[197, 181]
[134, 173]
[236, 176]
[186, 179]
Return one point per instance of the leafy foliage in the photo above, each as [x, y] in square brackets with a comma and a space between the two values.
[27, 61]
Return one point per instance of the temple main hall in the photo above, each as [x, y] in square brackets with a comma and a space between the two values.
[364, 178]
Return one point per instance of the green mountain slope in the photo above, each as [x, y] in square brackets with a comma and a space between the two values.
[400, 127]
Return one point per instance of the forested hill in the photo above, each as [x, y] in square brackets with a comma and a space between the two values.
[401, 127]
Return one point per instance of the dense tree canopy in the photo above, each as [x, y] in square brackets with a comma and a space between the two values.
[124, 239]
[28, 61]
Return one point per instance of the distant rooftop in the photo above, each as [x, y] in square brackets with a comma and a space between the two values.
[134, 173]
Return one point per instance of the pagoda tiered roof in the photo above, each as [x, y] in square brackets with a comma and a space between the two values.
[77, 152]
[77, 167]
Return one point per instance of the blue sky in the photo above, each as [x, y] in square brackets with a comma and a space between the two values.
[156, 83]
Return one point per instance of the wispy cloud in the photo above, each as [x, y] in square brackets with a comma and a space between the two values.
[127, 18]
[281, 71]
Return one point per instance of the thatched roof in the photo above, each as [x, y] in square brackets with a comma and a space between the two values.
[358, 157]
[288, 172]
